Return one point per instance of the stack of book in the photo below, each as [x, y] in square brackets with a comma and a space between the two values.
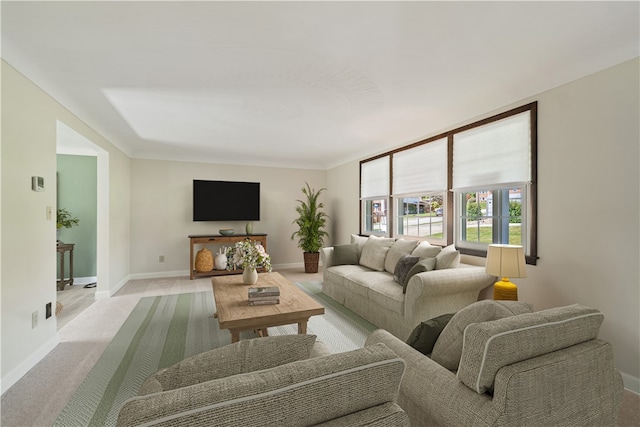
[264, 295]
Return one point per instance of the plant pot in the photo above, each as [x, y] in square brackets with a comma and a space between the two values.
[311, 262]
[249, 276]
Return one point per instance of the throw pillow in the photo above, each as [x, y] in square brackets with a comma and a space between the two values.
[399, 248]
[449, 257]
[426, 264]
[360, 241]
[374, 252]
[426, 250]
[404, 264]
[424, 335]
[345, 254]
[448, 348]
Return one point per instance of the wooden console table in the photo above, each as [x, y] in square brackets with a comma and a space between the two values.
[61, 248]
[220, 240]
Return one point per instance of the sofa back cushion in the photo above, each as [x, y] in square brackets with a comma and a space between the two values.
[448, 257]
[491, 345]
[399, 248]
[448, 348]
[426, 250]
[422, 266]
[307, 392]
[345, 254]
[359, 241]
[375, 252]
[240, 357]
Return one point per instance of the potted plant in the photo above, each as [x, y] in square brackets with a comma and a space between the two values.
[311, 222]
[64, 219]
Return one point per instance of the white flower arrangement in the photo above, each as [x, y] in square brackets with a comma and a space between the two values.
[248, 254]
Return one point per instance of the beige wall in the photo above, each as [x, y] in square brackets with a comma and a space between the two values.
[29, 121]
[588, 215]
[161, 218]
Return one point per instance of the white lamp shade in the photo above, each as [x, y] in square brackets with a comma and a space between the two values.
[506, 261]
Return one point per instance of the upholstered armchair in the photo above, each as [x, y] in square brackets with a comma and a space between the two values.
[287, 380]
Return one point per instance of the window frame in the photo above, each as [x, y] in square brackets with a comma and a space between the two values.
[450, 216]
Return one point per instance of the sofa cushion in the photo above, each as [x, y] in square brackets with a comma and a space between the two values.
[489, 346]
[302, 392]
[399, 248]
[448, 348]
[375, 252]
[345, 254]
[386, 294]
[360, 241]
[448, 257]
[425, 264]
[426, 250]
[405, 263]
[424, 335]
[240, 357]
[341, 273]
[359, 283]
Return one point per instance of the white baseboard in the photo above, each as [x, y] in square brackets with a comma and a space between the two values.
[159, 275]
[84, 280]
[183, 273]
[15, 375]
[111, 292]
[631, 383]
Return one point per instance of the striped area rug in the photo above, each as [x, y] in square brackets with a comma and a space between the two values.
[163, 330]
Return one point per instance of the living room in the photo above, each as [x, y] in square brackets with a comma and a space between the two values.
[587, 204]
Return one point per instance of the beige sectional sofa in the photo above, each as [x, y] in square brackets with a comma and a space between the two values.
[545, 368]
[364, 276]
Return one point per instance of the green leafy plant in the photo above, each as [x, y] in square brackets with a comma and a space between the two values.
[65, 219]
[311, 221]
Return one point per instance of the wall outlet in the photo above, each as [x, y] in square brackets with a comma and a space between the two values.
[47, 310]
[161, 258]
[34, 319]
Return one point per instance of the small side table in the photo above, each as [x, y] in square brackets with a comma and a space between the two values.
[61, 248]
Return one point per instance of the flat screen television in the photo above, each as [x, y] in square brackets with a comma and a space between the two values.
[226, 201]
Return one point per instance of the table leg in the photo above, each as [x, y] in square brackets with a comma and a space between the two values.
[62, 271]
[235, 335]
[71, 267]
[302, 327]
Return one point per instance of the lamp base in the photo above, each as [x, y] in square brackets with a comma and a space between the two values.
[505, 290]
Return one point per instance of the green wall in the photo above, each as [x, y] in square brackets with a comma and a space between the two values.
[77, 192]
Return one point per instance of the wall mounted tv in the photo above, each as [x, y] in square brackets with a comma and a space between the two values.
[226, 201]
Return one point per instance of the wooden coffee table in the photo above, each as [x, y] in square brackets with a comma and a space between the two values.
[235, 313]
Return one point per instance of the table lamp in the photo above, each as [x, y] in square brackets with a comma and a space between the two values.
[505, 261]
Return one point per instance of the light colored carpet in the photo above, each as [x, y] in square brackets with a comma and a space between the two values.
[38, 398]
[163, 330]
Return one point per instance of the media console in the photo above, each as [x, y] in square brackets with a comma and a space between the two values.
[219, 240]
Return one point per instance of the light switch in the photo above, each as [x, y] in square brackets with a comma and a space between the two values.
[49, 213]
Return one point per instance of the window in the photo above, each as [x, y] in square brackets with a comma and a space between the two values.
[491, 179]
[490, 169]
[419, 191]
[374, 196]
[491, 216]
[421, 216]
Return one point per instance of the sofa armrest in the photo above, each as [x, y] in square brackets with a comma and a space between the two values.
[437, 292]
[243, 356]
[431, 394]
[326, 255]
[578, 385]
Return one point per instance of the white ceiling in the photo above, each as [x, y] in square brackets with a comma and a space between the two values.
[302, 84]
